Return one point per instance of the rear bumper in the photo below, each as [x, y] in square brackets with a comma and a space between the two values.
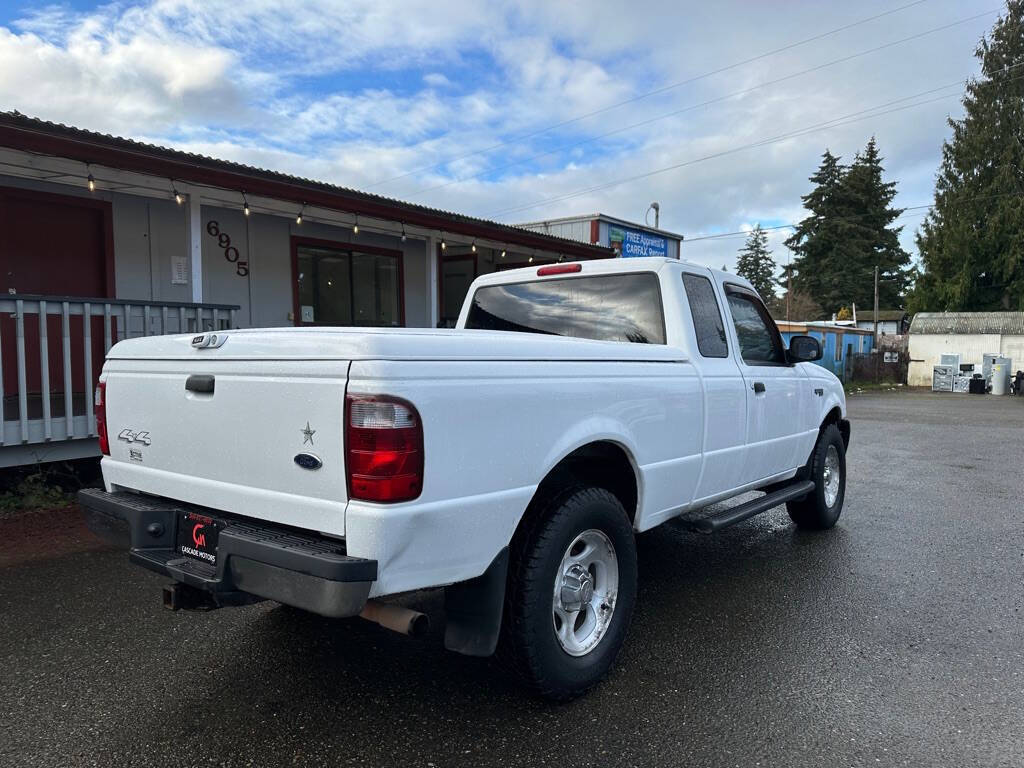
[253, 558]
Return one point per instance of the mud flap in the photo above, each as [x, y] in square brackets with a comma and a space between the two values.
[473, 610]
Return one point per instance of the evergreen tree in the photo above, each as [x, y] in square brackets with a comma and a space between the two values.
[877, 242]
[848, 233]
[755, 263]
[971, 244]
[816, 243]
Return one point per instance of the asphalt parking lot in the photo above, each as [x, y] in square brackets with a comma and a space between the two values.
[895, 639]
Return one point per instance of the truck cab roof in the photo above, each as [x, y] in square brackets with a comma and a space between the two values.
[606, 266]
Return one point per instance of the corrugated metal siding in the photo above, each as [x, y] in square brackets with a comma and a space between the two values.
[968, 322]
[570, 230]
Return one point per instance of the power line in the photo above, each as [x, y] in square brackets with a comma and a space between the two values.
[834, 123]
[733, 150]
[649, 121]
[746, 232]
[920, 210]
[655, 92]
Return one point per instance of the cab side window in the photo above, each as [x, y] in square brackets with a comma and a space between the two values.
[706, 316]
[760, 342]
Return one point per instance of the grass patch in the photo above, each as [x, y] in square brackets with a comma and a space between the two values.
[44, 486]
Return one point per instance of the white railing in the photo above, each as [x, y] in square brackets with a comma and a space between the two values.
[66, 381]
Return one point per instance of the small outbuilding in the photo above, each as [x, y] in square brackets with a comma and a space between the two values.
[969, 334]
[840, 340]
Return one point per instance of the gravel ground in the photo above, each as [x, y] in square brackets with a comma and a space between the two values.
[895, 639]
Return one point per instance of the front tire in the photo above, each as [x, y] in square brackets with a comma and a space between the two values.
[820, 509]
[571, 592]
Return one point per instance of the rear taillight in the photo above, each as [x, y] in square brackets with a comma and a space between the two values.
[101, 417]
[383, 448]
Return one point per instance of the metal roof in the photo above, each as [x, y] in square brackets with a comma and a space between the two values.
[601, 217]
[947, 323]
[19, 131]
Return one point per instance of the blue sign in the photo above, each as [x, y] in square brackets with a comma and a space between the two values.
[634, 243]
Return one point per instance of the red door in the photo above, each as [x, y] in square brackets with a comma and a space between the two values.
[53, 245]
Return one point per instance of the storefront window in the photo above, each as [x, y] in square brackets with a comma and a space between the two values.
[348, 287]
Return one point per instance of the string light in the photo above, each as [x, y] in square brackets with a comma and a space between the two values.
[355, 227]
[90, 181]
[531, 260]
[403, 232]
[503, 253]
[473, 246]
[443, 243]
[245, 204]
[177, 197]
[298, 219]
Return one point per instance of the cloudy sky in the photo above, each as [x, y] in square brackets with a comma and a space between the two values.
[519, 111]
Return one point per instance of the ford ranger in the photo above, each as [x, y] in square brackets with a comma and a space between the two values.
[510, 461]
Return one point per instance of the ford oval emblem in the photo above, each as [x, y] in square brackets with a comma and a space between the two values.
[308, 461]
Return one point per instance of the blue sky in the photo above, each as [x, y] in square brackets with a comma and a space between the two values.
[446, 102]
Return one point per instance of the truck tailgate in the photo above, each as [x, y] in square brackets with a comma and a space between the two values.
[265, 442]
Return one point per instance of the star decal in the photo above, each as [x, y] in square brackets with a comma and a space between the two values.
[307, 434]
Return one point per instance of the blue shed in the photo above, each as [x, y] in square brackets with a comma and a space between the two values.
[838, 339]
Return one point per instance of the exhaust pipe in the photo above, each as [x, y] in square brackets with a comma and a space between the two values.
[405, 621]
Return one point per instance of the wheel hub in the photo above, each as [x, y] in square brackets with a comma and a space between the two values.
[577, 588]
[585, 591]
[831, 475]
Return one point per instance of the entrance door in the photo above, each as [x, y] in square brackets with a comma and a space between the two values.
[342, 284]
[773, 388]
[456, 272]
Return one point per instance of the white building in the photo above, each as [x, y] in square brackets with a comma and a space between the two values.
[891, 322]
[969, 334]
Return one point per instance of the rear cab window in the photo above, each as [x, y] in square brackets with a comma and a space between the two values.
[612, 307]
[706, 316]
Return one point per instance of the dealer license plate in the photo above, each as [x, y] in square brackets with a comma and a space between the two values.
[197, 536]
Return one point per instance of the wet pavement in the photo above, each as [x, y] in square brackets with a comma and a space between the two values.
[895, 639]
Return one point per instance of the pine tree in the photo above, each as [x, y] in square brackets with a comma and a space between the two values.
[848, 233]
[972, 243]
[869, 229]
[816, 243]
[755, 263]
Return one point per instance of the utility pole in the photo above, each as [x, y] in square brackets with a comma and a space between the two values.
[876, 307]
[789, 288]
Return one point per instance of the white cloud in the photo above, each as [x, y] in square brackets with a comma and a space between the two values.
[367, 90]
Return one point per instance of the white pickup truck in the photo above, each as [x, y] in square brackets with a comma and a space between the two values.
[509, 461]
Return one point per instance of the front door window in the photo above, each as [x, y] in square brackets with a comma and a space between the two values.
[347, 287]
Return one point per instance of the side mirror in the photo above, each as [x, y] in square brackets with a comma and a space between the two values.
[804, 349]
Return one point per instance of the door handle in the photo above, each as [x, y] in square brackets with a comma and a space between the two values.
[758, 386]
[199, 383]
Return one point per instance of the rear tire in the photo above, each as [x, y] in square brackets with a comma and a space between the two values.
[820, 509]
[570, 594]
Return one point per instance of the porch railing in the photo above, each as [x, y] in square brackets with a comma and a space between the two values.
[52, 349]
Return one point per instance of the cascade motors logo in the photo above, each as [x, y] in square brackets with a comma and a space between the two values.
[203, 532]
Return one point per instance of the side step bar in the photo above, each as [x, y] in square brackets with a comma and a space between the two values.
[745, 511]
